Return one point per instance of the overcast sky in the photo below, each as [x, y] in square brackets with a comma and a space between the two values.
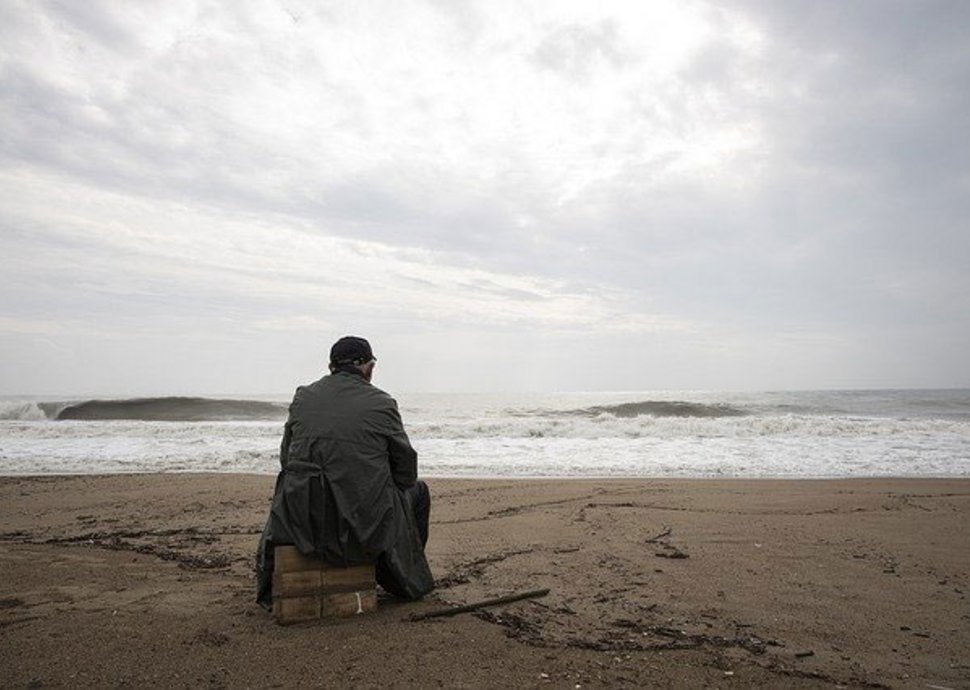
[199, 197]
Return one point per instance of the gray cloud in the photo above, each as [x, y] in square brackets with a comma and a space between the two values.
[575, 50]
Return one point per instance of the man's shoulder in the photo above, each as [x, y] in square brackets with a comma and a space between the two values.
[308, 389]
[376, 396]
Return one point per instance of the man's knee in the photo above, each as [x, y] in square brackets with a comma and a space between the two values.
[419, 497]
[422, 493]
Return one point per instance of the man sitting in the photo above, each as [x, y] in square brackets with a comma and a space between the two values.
[348, 490]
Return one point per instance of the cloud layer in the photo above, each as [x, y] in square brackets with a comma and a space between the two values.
[198, 197]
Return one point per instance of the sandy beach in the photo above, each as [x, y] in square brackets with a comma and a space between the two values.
[147, 580]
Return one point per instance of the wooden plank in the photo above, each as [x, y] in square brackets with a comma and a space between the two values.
[348, 603]
[308, 583]
[289, 559]
[348, 579]
[296, 609]
[300, 583]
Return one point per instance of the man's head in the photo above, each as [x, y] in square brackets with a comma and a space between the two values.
[353, 351]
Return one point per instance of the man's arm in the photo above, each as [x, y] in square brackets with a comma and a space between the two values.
[285, 444]
[403, 458]
[288, 430]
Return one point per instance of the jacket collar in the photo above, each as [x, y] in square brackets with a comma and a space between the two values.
[351, 370]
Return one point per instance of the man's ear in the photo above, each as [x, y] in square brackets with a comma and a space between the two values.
[332, 368]
[368, 369]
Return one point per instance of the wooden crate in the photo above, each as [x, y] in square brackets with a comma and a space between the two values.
[306, 588]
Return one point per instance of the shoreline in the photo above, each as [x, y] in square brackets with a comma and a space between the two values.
[524, 478]
[146, 579]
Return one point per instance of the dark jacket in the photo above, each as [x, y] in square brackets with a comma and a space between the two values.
[346, 462]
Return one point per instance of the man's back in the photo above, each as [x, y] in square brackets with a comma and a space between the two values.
[347, 489]
[344, 424]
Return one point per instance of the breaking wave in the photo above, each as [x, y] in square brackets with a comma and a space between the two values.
[167, 409]
[22, 410]
[666, 408]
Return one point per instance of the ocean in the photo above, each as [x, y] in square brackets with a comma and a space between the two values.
[807, 434]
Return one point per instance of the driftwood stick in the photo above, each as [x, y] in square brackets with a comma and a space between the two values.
[454, 610]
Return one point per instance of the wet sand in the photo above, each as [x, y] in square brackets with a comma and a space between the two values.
[147, 580]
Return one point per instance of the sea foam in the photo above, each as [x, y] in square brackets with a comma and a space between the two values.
[812, 434]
